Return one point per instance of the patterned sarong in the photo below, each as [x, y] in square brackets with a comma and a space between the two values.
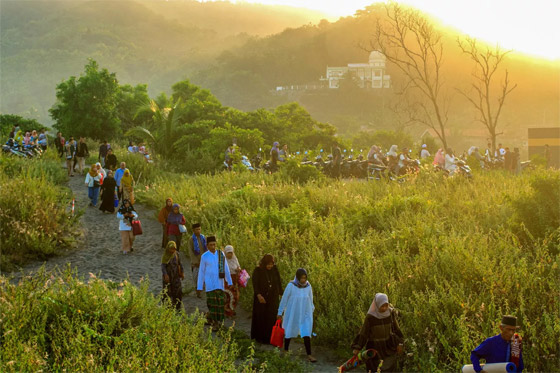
[216, 301]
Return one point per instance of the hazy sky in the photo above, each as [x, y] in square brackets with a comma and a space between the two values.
[527, 26]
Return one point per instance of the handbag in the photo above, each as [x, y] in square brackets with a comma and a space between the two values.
[182, 228]
[243, 278]
[277, 336]
[136, 227]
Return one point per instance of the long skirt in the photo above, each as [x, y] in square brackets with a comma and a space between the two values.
[128, 193]
[127, 239]
[215, 300]
[107, 202]
[174, 291]
[232, 297]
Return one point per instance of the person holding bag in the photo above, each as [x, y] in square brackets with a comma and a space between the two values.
[382, 333]
[267, 287]
[232, 292]
[126, 214]
[297, 307]
[93, 182]
[174, 219]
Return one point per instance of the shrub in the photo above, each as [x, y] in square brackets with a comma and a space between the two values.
[57, 322]
[299, 173]
[446, 251]
[34, 222]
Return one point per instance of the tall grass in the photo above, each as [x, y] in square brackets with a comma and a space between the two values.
[452, 255]
[34, 221]
[57, 322]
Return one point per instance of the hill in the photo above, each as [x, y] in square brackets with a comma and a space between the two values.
[300, 56]
[153, 42]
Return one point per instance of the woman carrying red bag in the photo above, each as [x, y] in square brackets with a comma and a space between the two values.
[297, 307]
[267, 287]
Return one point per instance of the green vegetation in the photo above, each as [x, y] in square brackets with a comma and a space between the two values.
[34, 216]
[7, 121]
[452, 255]
[69, 324]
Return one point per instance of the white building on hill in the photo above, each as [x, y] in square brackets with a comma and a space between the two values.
[366, 75]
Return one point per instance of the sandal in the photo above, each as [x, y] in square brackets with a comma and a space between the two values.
[311, 359]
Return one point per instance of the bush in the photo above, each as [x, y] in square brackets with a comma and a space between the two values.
[446, 251]
[34, 222]
[57, 322]
[293, 170]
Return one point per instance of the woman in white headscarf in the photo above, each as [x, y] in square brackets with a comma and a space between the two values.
[232, 292]
[393, 158]
[382, 333]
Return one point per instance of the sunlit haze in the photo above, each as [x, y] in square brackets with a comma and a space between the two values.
[526, 26]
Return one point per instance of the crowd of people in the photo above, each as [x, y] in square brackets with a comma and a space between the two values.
[29, 137]
[216, 272]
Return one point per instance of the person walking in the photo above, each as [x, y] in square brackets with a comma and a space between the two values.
[232, 292]
[214, 271]
[59, 144]
[126, 215]
[382, 333]
[127, 186]
[267, 288]
[103, 148]
[110, 160]
[162, 218]
[93, 182]
[172, 273]
[119, 173]
[297, 307]
[69, 156]
[501, 348]
[82, 153]
[108, 193]
[197, 247]
[174, 220]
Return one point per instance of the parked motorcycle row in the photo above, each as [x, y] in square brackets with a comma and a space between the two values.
[359, 167]
[25, 151]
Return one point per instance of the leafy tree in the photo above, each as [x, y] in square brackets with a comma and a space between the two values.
[129, 98]
[87, 106]
[384, 139]
[7, 121]
[197, 103]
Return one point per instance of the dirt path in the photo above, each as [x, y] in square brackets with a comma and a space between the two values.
[99, 252]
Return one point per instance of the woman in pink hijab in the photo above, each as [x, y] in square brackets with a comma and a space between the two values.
[439, 159]
[382, 333]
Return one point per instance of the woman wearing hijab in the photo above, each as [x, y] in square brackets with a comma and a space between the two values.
[172, 273]
[126, 215]
[267, 287]
[127, 186]
[380, 332]
[297, 307]
[162, 218]
[174, 219]
[101, 172]
[393, 159]
[27, 138]
[232, 292]
[93, 182]
[108, 193]
[439, 159]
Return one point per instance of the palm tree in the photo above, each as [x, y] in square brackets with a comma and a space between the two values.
[166, 119]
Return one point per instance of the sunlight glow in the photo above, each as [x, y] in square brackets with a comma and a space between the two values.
[526, 26]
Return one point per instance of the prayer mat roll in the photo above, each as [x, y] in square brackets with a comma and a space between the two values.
[491, 368]
[357, 360]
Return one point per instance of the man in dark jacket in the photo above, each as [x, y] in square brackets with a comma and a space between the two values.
[82, 153]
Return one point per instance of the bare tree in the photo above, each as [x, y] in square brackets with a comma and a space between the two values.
[487, 63]
[410, 42]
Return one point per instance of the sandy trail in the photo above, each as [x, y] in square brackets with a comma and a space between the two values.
[98, 252]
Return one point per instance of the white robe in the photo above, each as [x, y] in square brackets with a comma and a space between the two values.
[297, 306]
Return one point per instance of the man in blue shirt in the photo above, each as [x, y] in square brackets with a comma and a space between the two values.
[502, 348]
[118, 176]
[213, 271]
